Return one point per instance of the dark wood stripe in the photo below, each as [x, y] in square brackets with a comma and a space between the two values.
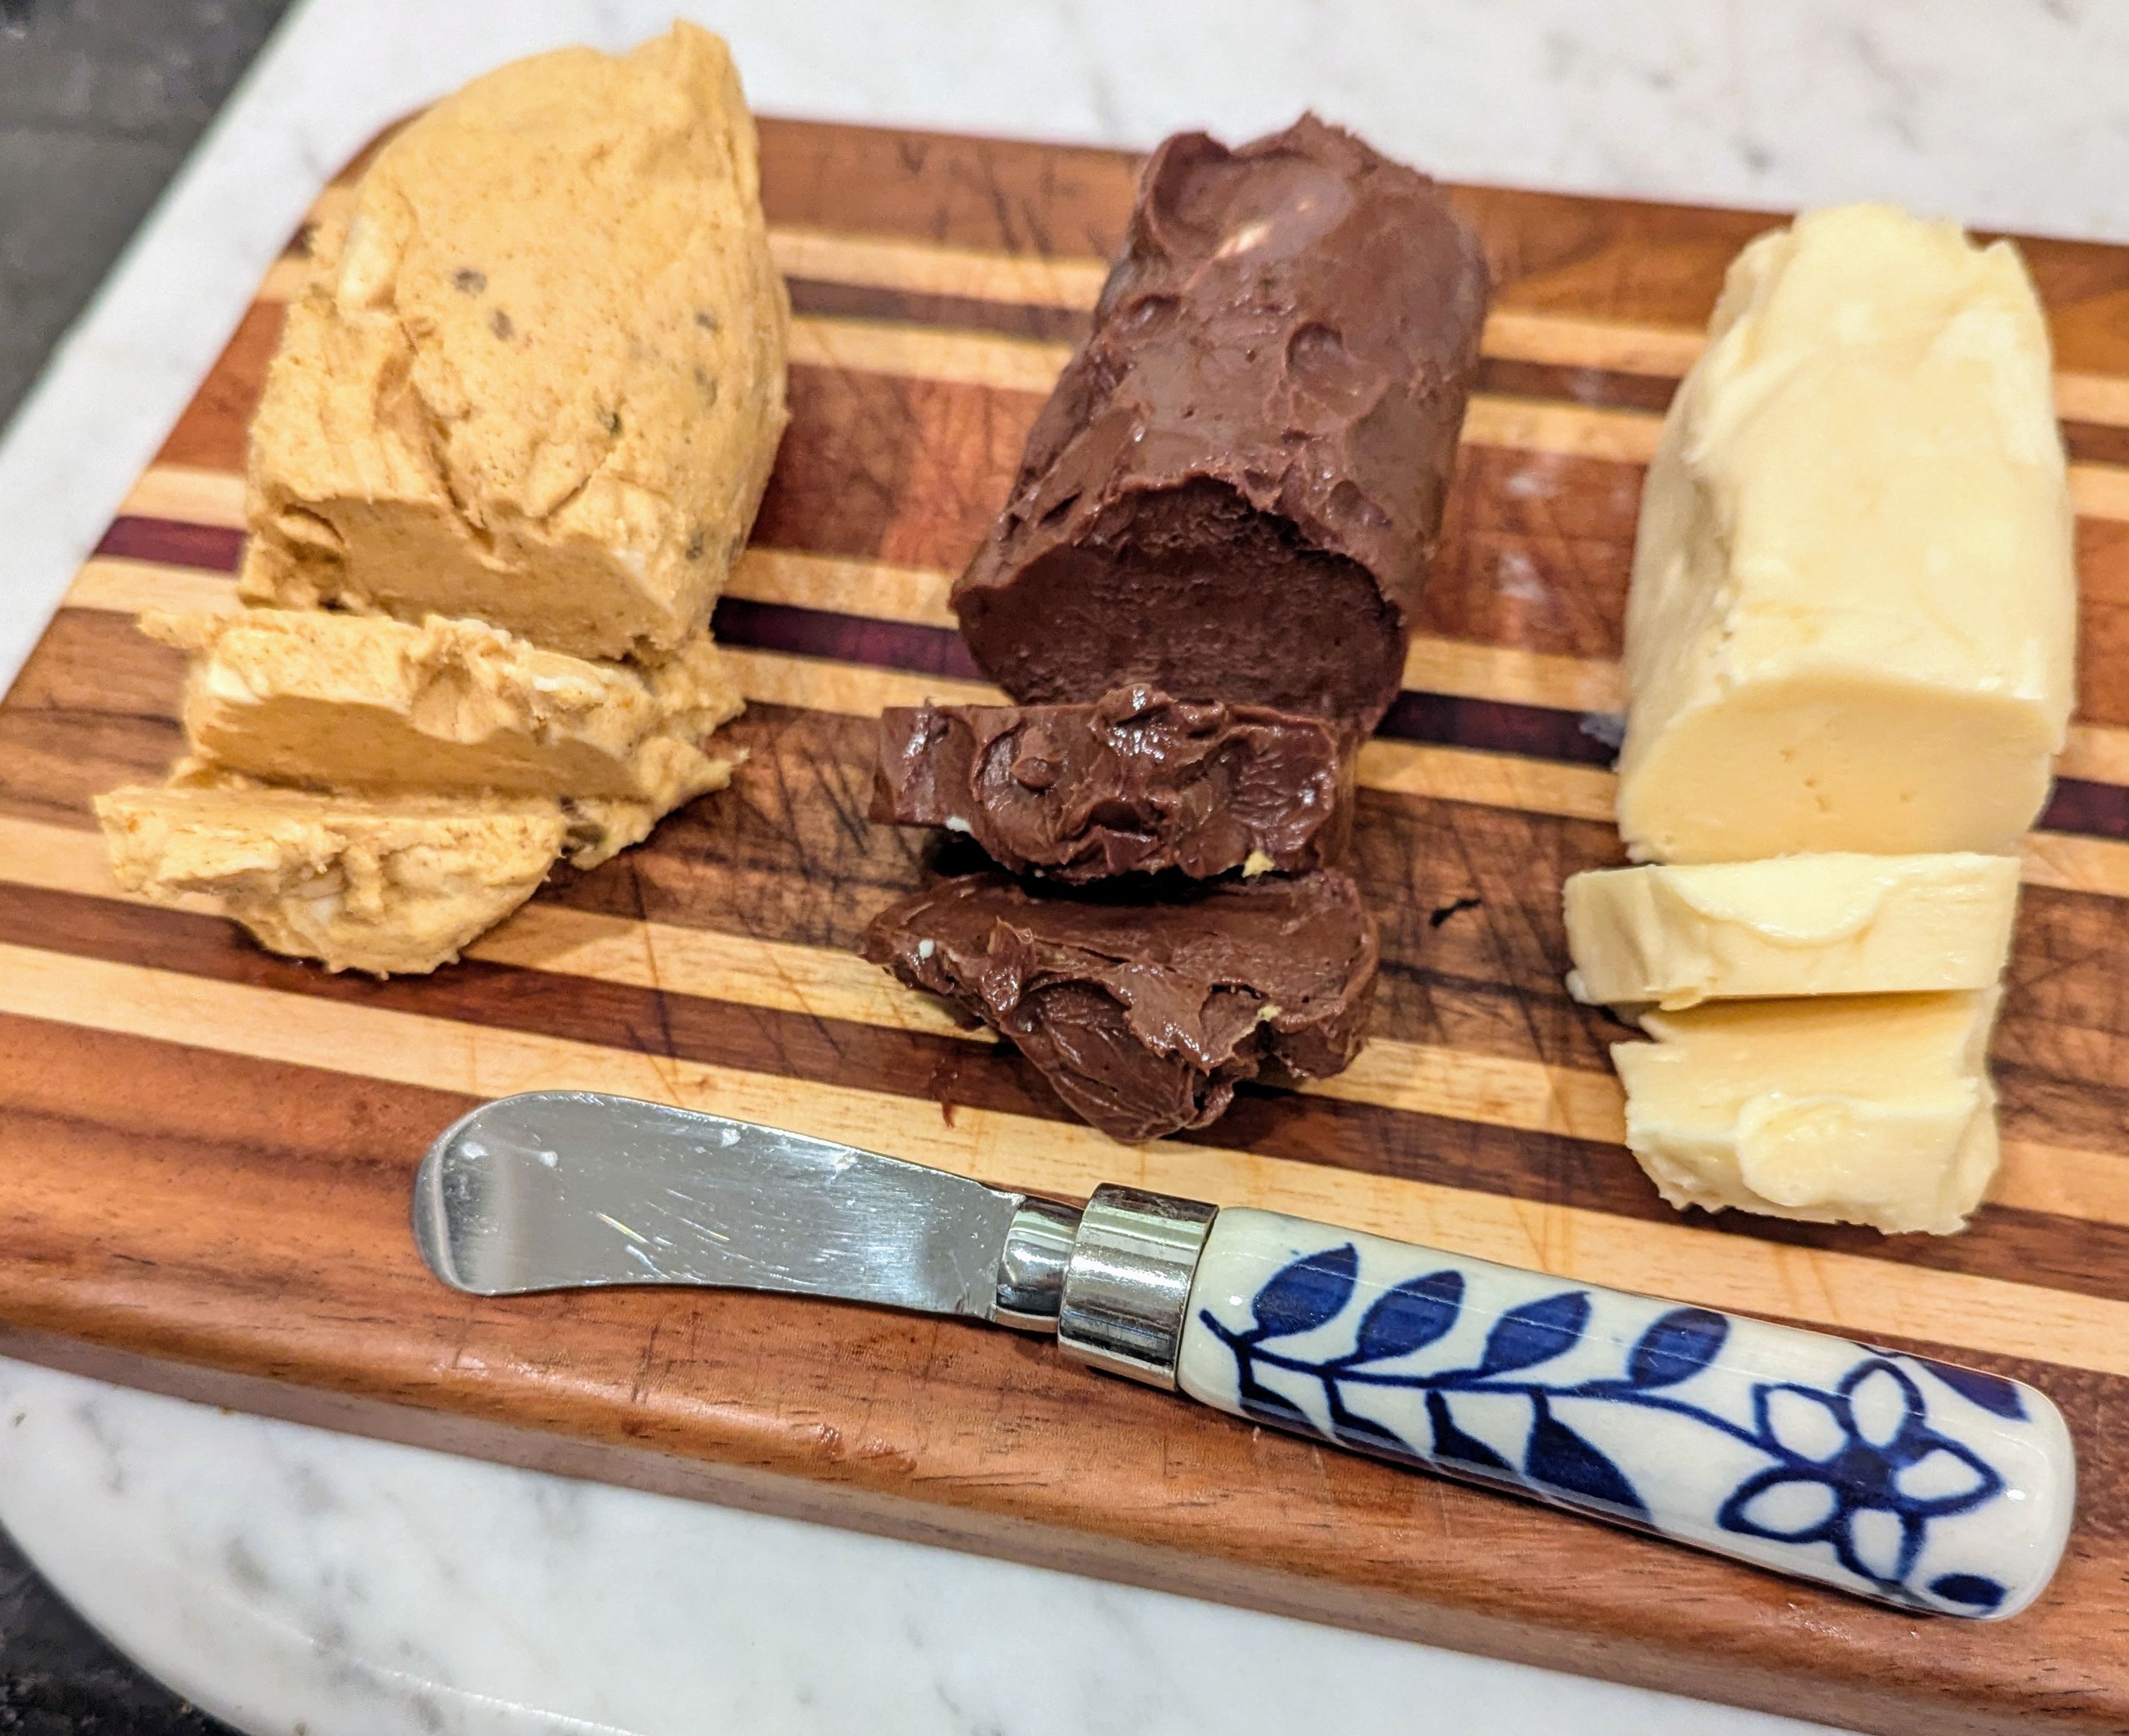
[909, 471]
[210, 548]
[2095, 443]
[2093, 810]
[997, 196]
[889, 644]
[1500, 727]
[53, 764]
[209, 433]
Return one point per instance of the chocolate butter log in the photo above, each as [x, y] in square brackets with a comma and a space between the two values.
[1235, 489]
[1145, 1011]
[1135, 782]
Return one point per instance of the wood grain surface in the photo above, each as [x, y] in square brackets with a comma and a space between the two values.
[208, 1149]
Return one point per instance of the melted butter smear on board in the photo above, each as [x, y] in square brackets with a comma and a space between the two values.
[830, 983]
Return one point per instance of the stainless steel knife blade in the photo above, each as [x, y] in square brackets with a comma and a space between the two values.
[555, 1190]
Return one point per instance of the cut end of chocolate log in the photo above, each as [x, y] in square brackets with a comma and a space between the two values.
[1136, 782]
[1235, 489]
[1145, 1009]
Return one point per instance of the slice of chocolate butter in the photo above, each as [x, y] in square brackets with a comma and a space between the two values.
[1235, 489]
[1134, 783]
[1145, 1010]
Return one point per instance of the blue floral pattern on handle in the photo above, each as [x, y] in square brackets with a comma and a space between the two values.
[1675, 1420]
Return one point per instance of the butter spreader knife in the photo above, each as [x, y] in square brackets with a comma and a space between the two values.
[1887, 1475]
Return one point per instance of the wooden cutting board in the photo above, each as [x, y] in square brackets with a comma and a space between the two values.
[207, 1150]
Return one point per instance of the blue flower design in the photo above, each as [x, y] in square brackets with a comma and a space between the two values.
[1858, 1469]
[1861, 1469]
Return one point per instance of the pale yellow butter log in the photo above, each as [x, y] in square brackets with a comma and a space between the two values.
[389, 885]
[357, 702]
[1846, 1109]
[540, 379]
[1852, 619]
[1833, 923]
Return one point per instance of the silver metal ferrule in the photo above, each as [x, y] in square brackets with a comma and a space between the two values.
[1031, 1277]
[1126, 1286]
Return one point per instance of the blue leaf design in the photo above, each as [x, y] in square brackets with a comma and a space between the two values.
[1560, 1458]
[1991, 1391]
[1535, 1333]
[1452, 1443]
[1976, 1591]
[1676, 1347]
[1300, 1297]
[1414, 1315]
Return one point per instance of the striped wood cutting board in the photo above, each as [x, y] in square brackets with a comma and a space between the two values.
[207, 1150]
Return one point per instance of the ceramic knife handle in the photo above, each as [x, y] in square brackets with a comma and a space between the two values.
[1934, 1487]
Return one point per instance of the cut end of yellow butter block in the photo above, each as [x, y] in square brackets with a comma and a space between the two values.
[344, 701]
[390, 886]
[1852, 1110]
[1830, 924]
[1852, 619]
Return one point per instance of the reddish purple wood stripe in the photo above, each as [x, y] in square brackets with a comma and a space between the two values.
[882, 644]
[208, 547]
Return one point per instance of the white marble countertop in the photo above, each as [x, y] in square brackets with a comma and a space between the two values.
[290, 1581]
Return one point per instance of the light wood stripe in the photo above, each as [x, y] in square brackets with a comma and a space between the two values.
[2068, 863]
[1847, 1292]
[2100, 491]
[127, 587]
[284, 278]
[1615, 346]
[1513, 675]
[1488, 780]
[928, 352]
[823, 982]
[851, 689]
[2103, 398]
[838, 586]
[870, 262]
[189, 495]
[1561, 431]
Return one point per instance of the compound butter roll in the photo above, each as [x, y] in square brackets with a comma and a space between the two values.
[1852, 614]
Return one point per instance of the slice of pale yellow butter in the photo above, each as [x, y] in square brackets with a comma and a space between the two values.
[1858, 1108]
[1852, 619]
[1832, 924]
